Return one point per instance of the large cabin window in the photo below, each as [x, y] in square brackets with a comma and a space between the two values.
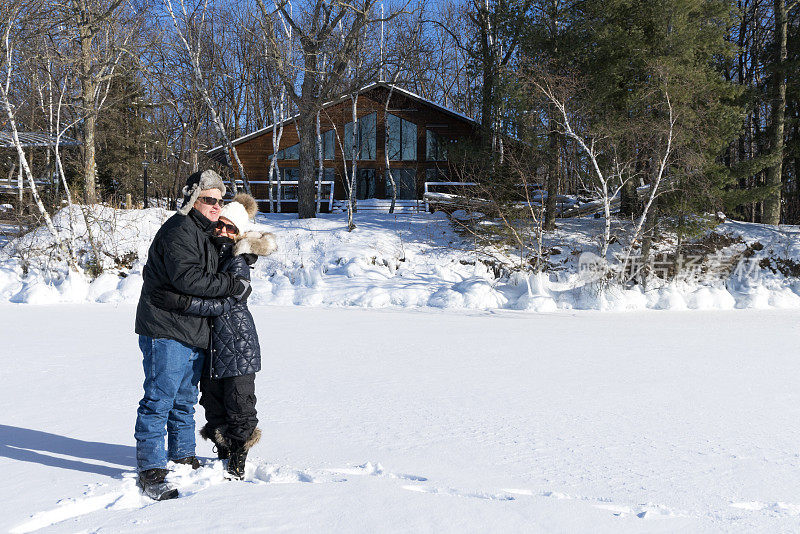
[328, 145]
[290, 152]
[365, 138]
[328, 149]
[406, 181]
[435, 145]
[401, 139]
[366, 184]
[436, 174]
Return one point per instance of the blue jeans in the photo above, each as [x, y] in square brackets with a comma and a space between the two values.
[172, 371]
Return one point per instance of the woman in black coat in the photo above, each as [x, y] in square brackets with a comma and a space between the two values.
[228, 383]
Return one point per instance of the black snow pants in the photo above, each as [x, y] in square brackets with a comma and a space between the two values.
[230, 405]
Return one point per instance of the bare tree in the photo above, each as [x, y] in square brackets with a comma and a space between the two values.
[609, 181]
[656, 182]
[275, 54]
[386, 152]
[102, 31]
[349, 176]
[178, 112]
[278, 118]
[59, 164]
[193, 50]
[14, 14]
[490, 40]
[337, 30]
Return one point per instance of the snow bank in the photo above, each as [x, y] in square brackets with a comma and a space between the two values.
[29, 271]
[406, 261]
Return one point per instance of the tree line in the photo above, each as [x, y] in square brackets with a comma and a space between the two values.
[661, 109]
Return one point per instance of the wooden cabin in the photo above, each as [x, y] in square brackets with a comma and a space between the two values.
[414, 131]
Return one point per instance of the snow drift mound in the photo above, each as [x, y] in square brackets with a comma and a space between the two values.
[392, 261]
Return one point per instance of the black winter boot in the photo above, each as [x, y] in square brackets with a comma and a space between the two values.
[223, 453]
[189, 460]
[221, 445]
[152, 483]
[238, 454]
[237, 459]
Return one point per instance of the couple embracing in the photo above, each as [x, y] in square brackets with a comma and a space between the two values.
[194, 328]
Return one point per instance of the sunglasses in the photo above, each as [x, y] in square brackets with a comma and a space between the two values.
[230, 228]
[211, 201]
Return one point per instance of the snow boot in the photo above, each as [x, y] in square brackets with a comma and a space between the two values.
[221, 446]
[236, 460]
[238, 454]
[153, 484]
[189, 460]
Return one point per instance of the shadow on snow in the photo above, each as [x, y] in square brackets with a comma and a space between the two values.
[33, 446]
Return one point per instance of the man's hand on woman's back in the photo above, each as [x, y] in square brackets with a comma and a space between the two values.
[169, 300]
[242, 289]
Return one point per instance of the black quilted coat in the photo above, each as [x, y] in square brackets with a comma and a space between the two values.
[182, 258]
[234, 340]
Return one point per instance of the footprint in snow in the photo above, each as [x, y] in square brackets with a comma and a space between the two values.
[126, 495]
[781, 508]
[375, 470]
[460, 493]
[553, 494]
[642, 511]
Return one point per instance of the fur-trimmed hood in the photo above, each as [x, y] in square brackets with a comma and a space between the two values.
[258, 243]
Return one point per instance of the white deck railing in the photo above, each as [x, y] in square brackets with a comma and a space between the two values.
[293, 183]
[429, 184]
[380, 205]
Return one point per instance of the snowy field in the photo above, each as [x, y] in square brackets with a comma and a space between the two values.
[424, 421]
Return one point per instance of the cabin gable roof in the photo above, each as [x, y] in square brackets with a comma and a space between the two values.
[218, 150]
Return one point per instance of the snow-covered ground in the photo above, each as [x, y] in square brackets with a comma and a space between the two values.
[411, 261]
[425, 421]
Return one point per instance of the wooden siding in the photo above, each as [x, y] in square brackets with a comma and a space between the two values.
[255, 153]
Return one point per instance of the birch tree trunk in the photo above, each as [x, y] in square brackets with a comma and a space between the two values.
[277, 133]
[589, 150]
[25, 167]
[354, 154]
[320, 169]
[20, 187]
[646, 216]
[60, 170]
[348, 176]
[386, 152]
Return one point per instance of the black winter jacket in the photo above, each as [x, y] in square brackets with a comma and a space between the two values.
[182, 259]
[235, 350]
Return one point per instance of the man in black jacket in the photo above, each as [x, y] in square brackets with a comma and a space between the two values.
[182, 259]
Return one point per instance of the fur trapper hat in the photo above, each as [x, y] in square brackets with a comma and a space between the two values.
[199, 181]
[240, 211]
[258, 243]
